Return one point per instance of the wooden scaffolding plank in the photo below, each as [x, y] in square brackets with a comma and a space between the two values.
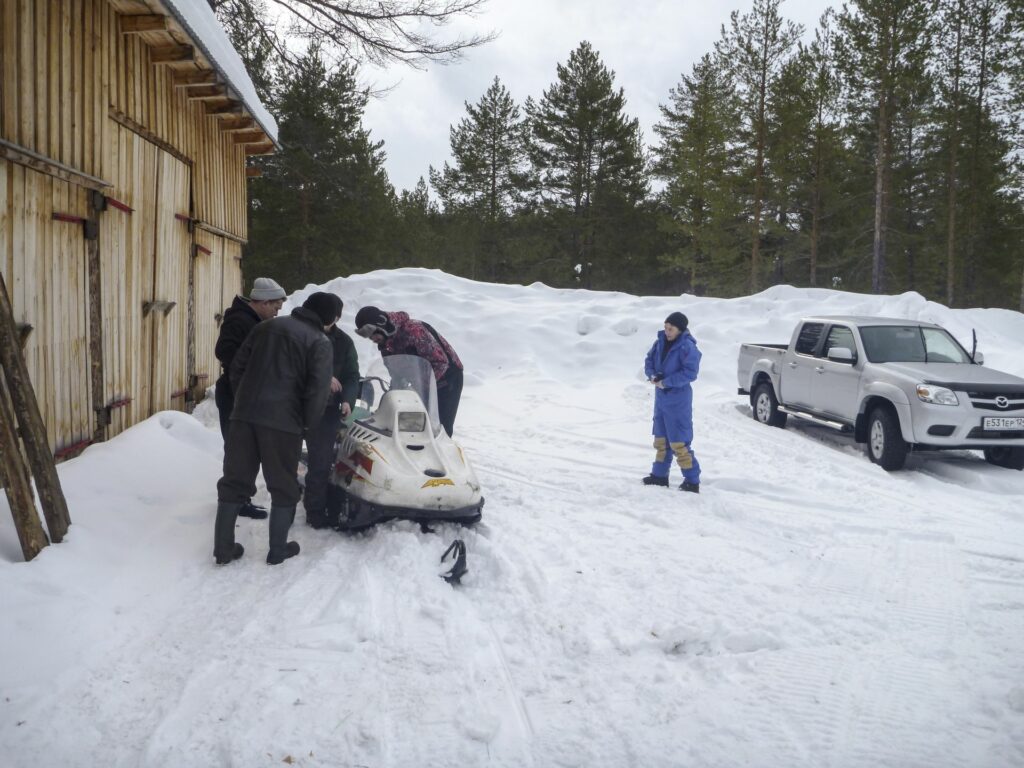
[17, 482]
[33, 430]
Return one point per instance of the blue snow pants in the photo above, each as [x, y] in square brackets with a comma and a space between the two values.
[673, 433]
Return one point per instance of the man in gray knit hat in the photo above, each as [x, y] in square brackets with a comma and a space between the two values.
[263, 303]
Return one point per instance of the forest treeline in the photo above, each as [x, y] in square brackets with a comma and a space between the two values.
[880, 152]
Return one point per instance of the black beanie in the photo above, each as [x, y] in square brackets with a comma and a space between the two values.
[324, 305]
[678, 319]
[376, 318]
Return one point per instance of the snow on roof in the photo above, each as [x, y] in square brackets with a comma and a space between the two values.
[199, 21]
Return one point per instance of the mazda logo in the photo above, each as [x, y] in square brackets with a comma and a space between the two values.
[1002, 402]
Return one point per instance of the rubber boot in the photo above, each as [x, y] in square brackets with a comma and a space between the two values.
[280, 548]
[225, 549]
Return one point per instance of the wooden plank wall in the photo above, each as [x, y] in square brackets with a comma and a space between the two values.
[45, 262]
[69, 82]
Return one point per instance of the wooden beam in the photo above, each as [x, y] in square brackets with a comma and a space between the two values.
[26, 157]
[146, 22]
[18, 483]
[230, 108]
[259, 149]
[30, 422]
[148, 135]
[253, 173]
[250, 137]
[237, 124]
[172, 54]
[97, 202]
[206, 92]
[190, 79]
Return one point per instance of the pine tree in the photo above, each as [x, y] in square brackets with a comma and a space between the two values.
[588, 161]
[806, 154]
[323, 202]
[883, 48]
[486, 182]
[696, 159]
[755, 48]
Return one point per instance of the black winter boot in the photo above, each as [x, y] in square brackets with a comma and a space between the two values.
[280, 548]
[691, 487]
[225, 549]
[254, 511]
[316, 518]
[655, 480]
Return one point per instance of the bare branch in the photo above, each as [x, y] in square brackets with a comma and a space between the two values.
[379, 32]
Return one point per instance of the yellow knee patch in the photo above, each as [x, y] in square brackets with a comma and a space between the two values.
[683, 456]
[659, 447]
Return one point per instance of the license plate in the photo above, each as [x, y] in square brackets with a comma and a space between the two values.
[1003, 422]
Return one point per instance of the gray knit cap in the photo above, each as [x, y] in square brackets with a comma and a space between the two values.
[266, 289]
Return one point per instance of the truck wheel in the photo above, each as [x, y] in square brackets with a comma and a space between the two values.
[1011, 458]
[766, 407]
[886, 446]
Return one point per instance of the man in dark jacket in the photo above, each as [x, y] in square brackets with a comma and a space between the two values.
[281, 378]
[395, 333]
[263, 303]
[321, 438]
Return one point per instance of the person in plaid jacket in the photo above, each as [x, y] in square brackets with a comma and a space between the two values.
[395, 333]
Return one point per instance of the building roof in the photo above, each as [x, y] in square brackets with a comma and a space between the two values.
[201, 24]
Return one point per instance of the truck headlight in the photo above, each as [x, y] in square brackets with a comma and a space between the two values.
[929, 393]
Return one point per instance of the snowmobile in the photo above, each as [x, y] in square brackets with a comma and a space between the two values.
[396, 461]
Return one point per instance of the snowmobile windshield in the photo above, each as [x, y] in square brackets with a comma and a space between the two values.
[415, 374]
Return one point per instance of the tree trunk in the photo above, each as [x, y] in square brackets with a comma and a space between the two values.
[755, 246]
[954, 142]
[881, 163]
[816, 208]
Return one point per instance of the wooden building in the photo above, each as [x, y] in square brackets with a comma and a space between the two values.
[124, 131]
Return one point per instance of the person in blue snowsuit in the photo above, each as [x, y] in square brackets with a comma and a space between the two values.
[672, 365]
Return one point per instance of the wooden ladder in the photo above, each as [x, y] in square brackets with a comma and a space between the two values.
[23, 436]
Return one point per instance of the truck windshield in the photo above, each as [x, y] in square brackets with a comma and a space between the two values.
[911, 344]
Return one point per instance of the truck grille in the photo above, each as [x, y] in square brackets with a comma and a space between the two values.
[1002, 402]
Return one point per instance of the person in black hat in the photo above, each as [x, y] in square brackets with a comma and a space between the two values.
[281, 378]
[320, 440]
[395, 333]
[671, 366]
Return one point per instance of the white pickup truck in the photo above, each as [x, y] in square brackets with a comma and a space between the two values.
[897, 385]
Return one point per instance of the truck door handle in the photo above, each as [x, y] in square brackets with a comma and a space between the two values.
[820, 369]
[792, 365]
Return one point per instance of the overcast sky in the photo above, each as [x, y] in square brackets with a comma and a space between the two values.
[649, 44]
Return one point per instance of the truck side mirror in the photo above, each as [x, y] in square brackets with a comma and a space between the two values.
[979, 358]
[841, 355]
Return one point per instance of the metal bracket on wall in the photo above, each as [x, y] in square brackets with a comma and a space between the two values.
[158, 306]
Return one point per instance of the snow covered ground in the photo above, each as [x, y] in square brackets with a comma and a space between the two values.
[807, 609]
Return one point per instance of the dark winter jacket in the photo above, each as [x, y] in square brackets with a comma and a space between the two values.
[282, 374]
[239, 320]
[678, 368]
[412, 337]
[345, 369]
